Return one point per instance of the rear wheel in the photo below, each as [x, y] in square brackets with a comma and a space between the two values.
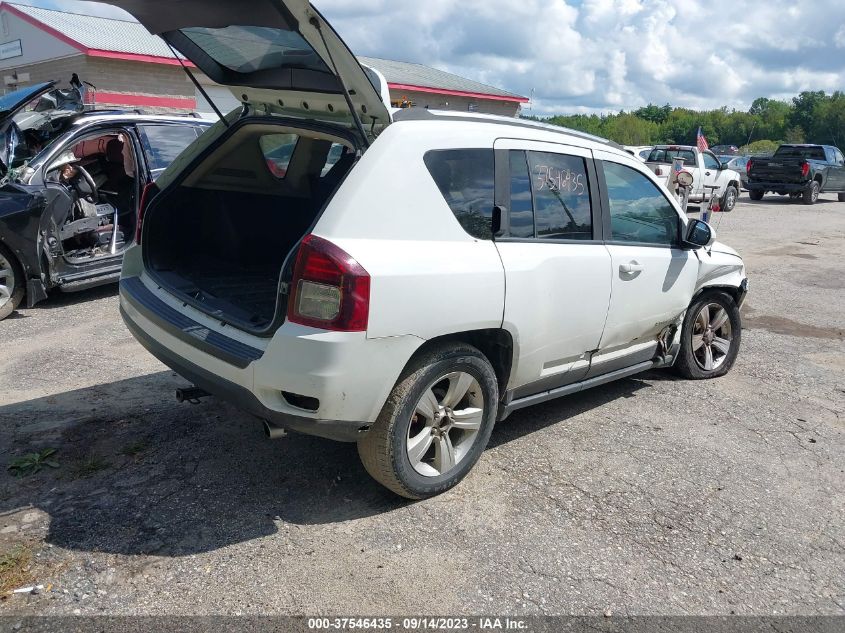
[729, 199]
[755, 195]
[811, 194]
[11, 284]
[435, 424]
[710, 337]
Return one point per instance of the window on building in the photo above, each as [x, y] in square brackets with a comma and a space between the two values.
[639, 212]
[465, 178]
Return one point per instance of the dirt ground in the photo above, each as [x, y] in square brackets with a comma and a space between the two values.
[648, 496]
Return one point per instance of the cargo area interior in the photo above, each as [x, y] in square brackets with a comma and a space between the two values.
[221, 237]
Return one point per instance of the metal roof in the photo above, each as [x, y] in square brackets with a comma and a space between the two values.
[104, 34]
[406, 73]
[94, 33]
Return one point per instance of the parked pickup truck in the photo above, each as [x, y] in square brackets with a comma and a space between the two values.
[801, 171]
[705, 168]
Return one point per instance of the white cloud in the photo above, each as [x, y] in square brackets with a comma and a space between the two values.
[602, 55]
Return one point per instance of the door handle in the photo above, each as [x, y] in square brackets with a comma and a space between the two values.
[633, 267]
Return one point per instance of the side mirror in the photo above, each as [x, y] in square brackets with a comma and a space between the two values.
[699, 234]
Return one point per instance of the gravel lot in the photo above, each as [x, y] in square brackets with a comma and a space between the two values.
[648, 496]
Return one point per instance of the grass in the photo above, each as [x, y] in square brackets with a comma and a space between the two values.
[89, 466]
[32, 463]
[15, 568]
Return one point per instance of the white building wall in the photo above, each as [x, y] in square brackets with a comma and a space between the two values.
[37, 46]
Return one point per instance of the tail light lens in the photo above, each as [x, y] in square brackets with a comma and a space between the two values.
[331, 290]
[148, 194]
[805, 169]
[748, 166]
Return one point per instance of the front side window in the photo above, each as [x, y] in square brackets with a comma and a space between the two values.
[639, 212]
[465, 179]
[163, 143]
[710, 161]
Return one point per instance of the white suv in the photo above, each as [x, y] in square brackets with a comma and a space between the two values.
[405, 281]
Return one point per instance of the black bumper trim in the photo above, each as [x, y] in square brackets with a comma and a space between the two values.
[186, 329]
[794, 187]
[241, 397]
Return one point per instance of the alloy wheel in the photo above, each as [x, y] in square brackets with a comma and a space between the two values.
[711, 337]
[7, 280]
[445, 424]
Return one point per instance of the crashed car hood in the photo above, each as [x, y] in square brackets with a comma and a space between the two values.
[270, 53]
[10, 105]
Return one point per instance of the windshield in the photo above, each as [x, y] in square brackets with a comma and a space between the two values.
[791, 151]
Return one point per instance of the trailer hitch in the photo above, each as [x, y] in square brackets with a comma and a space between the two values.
[192, 395]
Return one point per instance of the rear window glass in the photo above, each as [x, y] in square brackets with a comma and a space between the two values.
[163, 143]
[811, 153]
[277, 150]
[246, 49]
[668, 156]
[465, 178]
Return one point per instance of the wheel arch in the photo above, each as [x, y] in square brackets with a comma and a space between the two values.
[496, 344]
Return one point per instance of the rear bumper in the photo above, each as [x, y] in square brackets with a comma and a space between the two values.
[242, 398]
[778, 187]
[350, 375]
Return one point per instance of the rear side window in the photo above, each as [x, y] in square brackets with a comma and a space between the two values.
[561, 196]
[163, 143]
[465, 178]
[639, 212]
[550, 197]
[277, 150]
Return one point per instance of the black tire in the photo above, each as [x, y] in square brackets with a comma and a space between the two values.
[755, 195]
[18, 289]
[729, 199]
[689, 363]
[811, 194]
[384, 451]
[841, 197]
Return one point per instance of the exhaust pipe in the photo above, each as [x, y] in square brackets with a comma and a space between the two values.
[191, 394]
[272, 431]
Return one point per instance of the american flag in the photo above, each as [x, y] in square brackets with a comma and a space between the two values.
[701, 141]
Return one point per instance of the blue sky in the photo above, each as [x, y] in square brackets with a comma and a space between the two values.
[602, 55]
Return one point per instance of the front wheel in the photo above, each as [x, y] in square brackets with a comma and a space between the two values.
[755, 195]
[11, 284]
[811, 194]
[729, 199]
[710, 337]
[435, 424]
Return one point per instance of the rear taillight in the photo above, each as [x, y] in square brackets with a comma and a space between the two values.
[330, 290]
[748, 166]
[149, 193]
[805, 169]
